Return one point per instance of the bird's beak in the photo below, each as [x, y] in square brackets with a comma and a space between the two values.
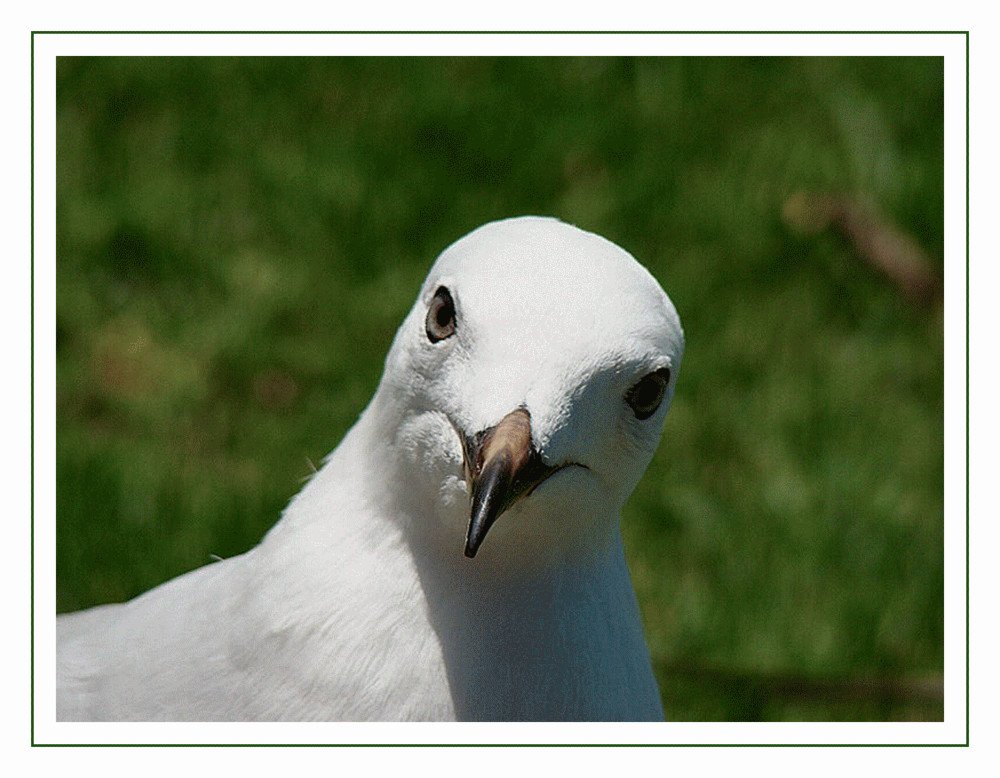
[501, 465]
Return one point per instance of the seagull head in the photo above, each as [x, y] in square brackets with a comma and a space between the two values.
[524, 394]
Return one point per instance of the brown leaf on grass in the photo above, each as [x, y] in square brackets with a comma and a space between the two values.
[875, 238]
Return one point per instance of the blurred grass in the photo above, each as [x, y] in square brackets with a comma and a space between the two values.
[238, 240]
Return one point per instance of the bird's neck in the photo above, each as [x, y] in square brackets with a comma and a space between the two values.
[552, 621]
[556, 642]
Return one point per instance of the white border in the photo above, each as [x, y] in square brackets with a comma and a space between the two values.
[486, 44]
[952, 47]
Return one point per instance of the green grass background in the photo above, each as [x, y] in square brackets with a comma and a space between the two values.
[238, 240]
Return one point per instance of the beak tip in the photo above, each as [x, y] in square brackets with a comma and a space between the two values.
[474, 539]
[501, 457]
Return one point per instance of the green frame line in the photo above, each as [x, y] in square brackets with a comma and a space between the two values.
[31, 223]
[964, 33]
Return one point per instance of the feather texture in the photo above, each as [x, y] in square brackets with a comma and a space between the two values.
[359, 603]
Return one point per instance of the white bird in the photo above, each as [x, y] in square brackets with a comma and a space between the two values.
[458, 556]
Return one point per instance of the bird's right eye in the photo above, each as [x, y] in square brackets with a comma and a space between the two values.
[441, 316]
[645, 397]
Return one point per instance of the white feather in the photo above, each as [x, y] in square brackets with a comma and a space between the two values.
[359, 604]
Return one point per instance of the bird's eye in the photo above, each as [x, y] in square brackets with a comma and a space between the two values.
[441, 316]
[645, 397]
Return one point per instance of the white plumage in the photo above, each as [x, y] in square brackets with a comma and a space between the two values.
[530, 379]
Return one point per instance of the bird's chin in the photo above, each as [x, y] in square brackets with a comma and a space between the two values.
[535, 518]
[569, 476]
[549, 519]
[571, 489]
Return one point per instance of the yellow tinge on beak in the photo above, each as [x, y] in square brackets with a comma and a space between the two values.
[501, 466]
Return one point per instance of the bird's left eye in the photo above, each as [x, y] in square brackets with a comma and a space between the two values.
[645, 397]
[440, 316]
